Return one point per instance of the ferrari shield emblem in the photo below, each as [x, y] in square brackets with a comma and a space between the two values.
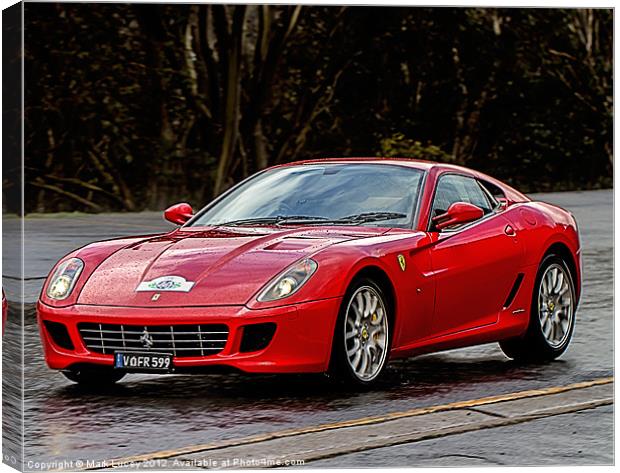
[166, 283]
[402, 262]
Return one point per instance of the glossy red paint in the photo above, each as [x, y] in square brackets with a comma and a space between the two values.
[450, 294]
[301, 342]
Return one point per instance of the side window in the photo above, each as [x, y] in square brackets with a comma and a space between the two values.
[495, 191]
[453, 188]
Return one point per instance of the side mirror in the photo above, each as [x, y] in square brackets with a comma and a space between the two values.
[179, 213]
[458, 213]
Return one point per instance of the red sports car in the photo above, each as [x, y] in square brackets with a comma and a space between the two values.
[333, 265]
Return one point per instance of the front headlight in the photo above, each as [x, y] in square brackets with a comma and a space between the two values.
[64, 278]
[289, 281]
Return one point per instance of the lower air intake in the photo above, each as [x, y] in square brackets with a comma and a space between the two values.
[256, 337]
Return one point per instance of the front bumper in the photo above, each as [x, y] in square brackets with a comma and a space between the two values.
[301, 343]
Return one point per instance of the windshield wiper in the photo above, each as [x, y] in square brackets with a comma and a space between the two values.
[348, 220]
[304, 219]
[315, 220]
[372, 217]
[271, 220]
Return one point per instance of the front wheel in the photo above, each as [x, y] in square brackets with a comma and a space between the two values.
[362, 337]
[552, 315]
[93, 376]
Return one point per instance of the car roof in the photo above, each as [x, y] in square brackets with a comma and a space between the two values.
[512, 194]
[407, 162]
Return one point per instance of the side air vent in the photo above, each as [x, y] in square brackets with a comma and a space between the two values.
[514, 290]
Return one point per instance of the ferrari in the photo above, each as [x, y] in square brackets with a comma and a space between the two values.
[332, 266]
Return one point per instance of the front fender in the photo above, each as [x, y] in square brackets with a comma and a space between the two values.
[92, 255]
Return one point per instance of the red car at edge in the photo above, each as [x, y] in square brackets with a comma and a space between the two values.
[327, 266]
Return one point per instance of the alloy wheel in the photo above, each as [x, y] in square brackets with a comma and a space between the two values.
[555, 305]
[366, 333]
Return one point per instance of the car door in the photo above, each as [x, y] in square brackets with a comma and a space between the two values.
[474, 265]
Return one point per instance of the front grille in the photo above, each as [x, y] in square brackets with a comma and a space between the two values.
[178, 340]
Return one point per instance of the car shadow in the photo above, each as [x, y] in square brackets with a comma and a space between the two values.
[422, 376]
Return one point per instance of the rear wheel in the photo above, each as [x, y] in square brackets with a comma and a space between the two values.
[93, 376]
[552, 315]
[362, 337]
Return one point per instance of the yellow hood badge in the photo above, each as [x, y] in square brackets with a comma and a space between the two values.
[402, 262]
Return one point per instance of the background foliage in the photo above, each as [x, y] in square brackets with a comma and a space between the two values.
[139, 106]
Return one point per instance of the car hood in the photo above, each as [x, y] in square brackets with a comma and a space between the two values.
[218, 267]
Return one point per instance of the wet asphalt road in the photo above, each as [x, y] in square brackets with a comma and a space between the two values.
[582, 438]
[148, 413]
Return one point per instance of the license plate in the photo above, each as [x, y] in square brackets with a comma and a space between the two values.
[161, 362]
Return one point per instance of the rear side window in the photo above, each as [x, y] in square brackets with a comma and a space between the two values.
[495, 191]
[453, 188]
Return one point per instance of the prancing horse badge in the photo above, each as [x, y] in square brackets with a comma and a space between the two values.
[402, 262]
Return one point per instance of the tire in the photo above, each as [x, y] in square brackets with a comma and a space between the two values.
[93, 376]
[552, 317]
[361, 343]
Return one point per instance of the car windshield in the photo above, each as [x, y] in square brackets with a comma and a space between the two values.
[369, 194]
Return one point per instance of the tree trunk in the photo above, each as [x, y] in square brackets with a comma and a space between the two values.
[231, 109]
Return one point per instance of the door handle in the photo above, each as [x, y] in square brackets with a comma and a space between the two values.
[509, 231]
